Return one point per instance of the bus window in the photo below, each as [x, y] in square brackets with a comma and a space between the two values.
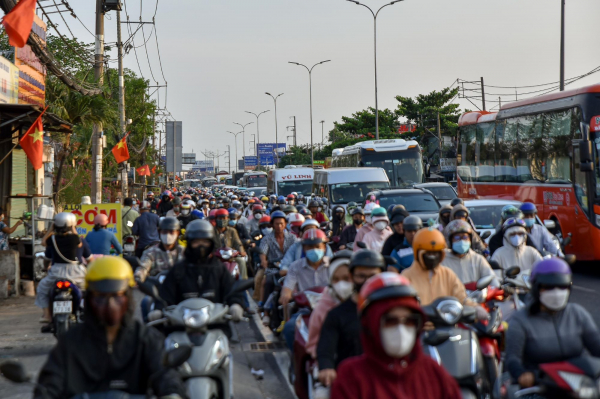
[557, 135]
[467, 168]
[506, 139]
[530, 152]
[580, 185]
[486, 136]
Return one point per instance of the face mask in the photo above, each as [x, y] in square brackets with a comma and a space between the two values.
[430, 261]
[381, 225]
[398, 341]
[232, 222]
[109, 311]
[343, 289]
[555, 299]
[516, 241]
[266, 230]
[199, 253]
[168, 239]
[315, 255]
[257, 216]
[529, 222]
[461, 247]
[319, 209]
[222, 222]
[175, 209]
[445, 219]
[185, 212]
[204, 206]
[357, 222]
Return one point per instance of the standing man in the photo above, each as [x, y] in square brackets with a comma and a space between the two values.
[146, 228]
[128, 217]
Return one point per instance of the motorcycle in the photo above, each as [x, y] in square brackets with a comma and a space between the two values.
[208, 373]
[66, 305]
[227, 256]
[129, 243]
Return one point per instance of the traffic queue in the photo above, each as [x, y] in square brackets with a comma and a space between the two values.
[371, 302]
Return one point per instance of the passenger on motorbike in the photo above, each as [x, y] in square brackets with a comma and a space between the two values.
[497, 239]
[460, 212]
[100, 239]
[234, 216]
[296, 251]
[339, 221]
[146, 228]
[444, 216]
[128, 216]
[257, 213]
[153, 201]
[62, 244]
[227, 236]
[467, 264]
[176, 210]
[340, 334]
[404, 253]
[111, 350]
[303, 274]
[549, 329]
[162, 256]
[393, 364]
[349, 234]
[164, 205]
[294, 224]
[515, 252]
[367, 226]
[397, 217]
[540, 236]
[186, 215]
[376, 238]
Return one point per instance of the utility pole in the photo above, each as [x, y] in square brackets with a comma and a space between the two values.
[562, 45]
[322, 133]
[439, 133]
[97, 129]
[229, 156]
[122, 121]
[295, 135]
[482, 95]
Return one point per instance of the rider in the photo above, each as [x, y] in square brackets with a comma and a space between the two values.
[296, 252]
[110, 350]
[367, 225]
[393, 365]
[295, 221]
[100, 239]
[515, 252]
[404, 253]
[381, 231]
[444, 216]
[349, 233]
[128, 216]
[549, 329]
[467, 264]
[257, 213]
[460, 212]
[164, 205]
[398, 215]
[497, 239]
[227, 236]
[164, 255]
[146, 228]
[349, 208]
[315, 209]
[340, 334]
[339, 221]
[153, 201]
[186, 215]
[540, 236]
[176, 210]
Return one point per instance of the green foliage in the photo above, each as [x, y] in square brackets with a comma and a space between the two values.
[363, 123]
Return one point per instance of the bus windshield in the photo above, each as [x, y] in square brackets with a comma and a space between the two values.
[303, 187]
[402, 167]
[257, 181]
[343, 193]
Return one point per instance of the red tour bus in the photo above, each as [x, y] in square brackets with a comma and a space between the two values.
[544, 150]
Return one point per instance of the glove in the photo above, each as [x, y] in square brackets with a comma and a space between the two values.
[482, 314]
[236, 312]
[139, 276]
[155, 315]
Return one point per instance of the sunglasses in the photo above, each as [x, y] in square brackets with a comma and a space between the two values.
[393, 321]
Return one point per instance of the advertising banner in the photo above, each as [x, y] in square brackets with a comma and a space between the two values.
[251, 161]
[9, 82]
[86, 214]
[266, 152]
[32, 73]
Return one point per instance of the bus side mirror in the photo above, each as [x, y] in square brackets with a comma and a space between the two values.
[585, 155]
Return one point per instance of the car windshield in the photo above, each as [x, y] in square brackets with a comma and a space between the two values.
[401, 167]
[303, 187]
[486, 217]
[343, 193]
[257, 181]
[442, 193]
[412, 202]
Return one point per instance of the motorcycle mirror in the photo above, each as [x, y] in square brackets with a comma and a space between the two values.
[484, 281]
[149, 289]
[436, 337]
[486, 234]
[239, 286]
[513, 272]
[566, 241]
[570, 259]
[361, 244]
[495, 265]
[323, 224]
[14, 371]
[177, 356]
[390, 261]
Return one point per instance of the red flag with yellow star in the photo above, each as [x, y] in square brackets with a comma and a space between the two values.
[18, 22]
[33, 143]
[143, 170]
[120, 151]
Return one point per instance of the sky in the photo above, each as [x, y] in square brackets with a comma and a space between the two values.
[219, 57]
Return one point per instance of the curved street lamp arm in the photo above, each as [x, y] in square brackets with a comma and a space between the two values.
[385, 5]
[318, 63]
[297, 63]
[367, 7]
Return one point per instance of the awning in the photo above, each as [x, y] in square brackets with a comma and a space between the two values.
[26, 114]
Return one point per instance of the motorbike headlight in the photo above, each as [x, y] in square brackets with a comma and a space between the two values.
[196, 318]
[313, 298]
[450, 311]
[226, 254]
[162, 278]
[218, 352]
[581, 384]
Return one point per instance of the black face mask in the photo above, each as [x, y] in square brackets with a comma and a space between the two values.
[357, 222]
[197, 255]
[445, 219]
[109, 312]
[431, 261]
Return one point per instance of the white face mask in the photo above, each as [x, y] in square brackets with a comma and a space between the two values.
[267, 230]
[257, 216]
[185, 212]
[380, 225]
[516, 241]
[168, 239]
[555, 299]
[398, 341]
[368, 219]
[343, 289]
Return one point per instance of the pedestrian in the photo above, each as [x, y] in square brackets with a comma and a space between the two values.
[6, 230]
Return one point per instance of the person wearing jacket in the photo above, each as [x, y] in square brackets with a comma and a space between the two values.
[403, 253]
[164, 255]
[110, 350]
[338, 221]
[461, 212]
[349, 232]
[549, 329]
[497, 239]
[315, 209]
[515, 252]
[164, 205]
[444, 216]
[397, 217]
[381, 230]
[467, 264]
[367, 225]
[540, 237]
[393, 364]
[296, 252]
[186, 215]
[100, 239]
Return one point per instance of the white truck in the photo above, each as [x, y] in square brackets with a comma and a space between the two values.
[288, 180]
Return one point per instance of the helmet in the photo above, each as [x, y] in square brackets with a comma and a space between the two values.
[379, 214]
[150, 194]
[528, 207]
[278, 214]
[339, 209]
[553, 272]
[295, 219]
[429, 239]
[291, 197]
[313, 203]
[265, 198]
[237, 205]
[290, 209]
[511, 211]
[367, 258]
[385, 285]
[221, 212]
[167, 193]
[265, 220]
[398, 215]
[412, 223]
[512, 222]
[257, 207]
[459, 210]
[351, 205]
[313, 237]
[369, 207]
[187, 204]
[199, 229]
[445, 209]
[305, 211]
[145, 205]
[109, 274]
[186, 197]
[357, 211]
[101, 219]
[457, 201]
[458, 226]
[65, 220]
[169, 223]
[176, 201]
[340, 258]
[310, 222]
[281, 199]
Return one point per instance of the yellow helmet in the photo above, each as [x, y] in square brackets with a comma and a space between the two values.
[109, 274]
[428, 239]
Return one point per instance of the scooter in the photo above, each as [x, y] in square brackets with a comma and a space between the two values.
[129, 243]
[227, 256]
[208, 373]
[66, 305]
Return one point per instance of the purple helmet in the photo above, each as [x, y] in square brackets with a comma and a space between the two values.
[553, 272]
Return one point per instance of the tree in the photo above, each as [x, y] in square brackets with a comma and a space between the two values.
[296, 155]
[362, 123]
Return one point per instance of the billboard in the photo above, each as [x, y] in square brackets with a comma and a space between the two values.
[189, 158]
[266, 152]
[251, 162]
[32, 73]
[203, 166]
[9, 82]
[86, 213]
[174, 145]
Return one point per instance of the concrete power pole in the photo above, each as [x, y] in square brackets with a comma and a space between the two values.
[97, 129]
[122, 121]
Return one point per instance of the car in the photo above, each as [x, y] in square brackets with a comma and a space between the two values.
[417, 201]
[444, 192]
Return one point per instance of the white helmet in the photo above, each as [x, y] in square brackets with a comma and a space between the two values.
[369, 207]
[64, 221]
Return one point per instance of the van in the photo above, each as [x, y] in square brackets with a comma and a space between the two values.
[343, 185]
[288, 180]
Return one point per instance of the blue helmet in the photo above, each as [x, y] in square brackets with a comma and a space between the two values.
[528, 207]
[278, 214]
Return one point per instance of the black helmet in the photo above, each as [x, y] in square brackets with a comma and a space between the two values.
[456, 201]
[313, 203]
[413, 223]
[357, 211]
[368, 258]
[199, 229]
[176, 201]
[169, 223]
[398, 215]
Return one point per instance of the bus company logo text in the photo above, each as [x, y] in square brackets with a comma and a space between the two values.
[289, 177]
[553, 198]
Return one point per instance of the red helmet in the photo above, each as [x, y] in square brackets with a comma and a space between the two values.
[212, 214]
[386, 285]
[264, 220]
[101, 219]
[257, 207]
[291, 196]
[313, 236]
[221, 212]
[295, 219]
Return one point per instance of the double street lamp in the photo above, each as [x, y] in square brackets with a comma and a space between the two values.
[312, 157]
[257, 141]
[276, 138]
[243, 140]
[375, 14]
[236, 153]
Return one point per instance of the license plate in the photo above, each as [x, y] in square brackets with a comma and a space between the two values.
[128, 248]
[63, 307]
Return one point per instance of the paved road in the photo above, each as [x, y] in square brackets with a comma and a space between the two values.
[20, 339]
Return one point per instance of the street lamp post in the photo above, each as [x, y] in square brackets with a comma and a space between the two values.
[236, 153]
[257, 135]
[312, 155]
[562, 45]
[375, 14]
[276, 138]
[244, 140]
[322, 133]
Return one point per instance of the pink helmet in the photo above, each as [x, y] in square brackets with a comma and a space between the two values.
[101, 220]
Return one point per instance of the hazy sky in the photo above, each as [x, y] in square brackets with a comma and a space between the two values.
[220, 56]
